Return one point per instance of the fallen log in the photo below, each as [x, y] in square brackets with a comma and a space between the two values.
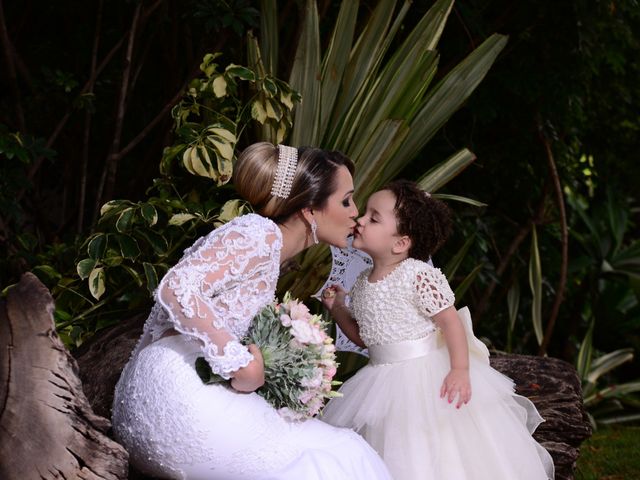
[47, 427]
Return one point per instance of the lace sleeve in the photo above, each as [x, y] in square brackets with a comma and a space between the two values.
[433, 291]
[215, 290]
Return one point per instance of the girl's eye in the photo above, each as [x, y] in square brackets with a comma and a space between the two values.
[346, 202]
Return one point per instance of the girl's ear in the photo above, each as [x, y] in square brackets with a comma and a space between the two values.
[402, 244]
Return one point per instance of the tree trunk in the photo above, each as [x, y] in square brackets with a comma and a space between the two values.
[47, 427]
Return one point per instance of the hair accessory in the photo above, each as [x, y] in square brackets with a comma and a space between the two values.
[314, 231]
[427, 194]
[287, 163]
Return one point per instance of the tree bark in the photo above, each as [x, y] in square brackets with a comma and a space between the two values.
[47, 427]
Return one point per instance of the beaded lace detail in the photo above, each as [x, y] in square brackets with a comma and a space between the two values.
[400, 306]
[222, 281]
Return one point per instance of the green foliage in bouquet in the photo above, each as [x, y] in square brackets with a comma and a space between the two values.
[299, 358]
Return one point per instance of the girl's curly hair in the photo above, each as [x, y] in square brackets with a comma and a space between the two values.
[425, 220]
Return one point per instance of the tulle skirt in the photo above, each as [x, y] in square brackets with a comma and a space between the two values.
[394, 403]
[174, 426]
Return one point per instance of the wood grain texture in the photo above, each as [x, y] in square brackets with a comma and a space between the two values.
[47, 427]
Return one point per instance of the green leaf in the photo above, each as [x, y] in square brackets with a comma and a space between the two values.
[47, 271]
[149, 213]
[607, 362]
[269, 35]
[151, 276]
[535, 282]
[180, 218]
[137, 277]
[220, 86]
[513, 303]
[450, 93]
[336, 59]
[466, 283]
[240, 72]
[452, 265]
[128, 246]
[458, 198]
[97, 282]
[97, 246]
[444, 172]
[111, 205]
[158, 242]
[124, 220]
[305, 77]
[85, 267]
[230, 210]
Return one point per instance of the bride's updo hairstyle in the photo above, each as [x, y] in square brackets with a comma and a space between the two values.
[314, 179]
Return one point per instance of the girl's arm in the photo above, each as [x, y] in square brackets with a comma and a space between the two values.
[457, 381]
[333, 298]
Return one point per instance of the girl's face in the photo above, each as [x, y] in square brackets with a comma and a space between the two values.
[377, 233]
[337, 219]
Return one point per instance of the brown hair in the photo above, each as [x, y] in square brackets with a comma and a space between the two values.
[425, 220]
[314, 180]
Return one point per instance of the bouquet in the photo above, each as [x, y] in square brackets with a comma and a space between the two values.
[299, 359]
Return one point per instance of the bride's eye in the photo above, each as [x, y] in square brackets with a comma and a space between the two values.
[346, 202]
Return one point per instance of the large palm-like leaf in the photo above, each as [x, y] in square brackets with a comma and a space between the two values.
[377, 106]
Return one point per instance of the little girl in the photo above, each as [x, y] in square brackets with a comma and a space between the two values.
[428, 401]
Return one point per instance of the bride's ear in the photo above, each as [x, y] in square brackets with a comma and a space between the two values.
[307, 214]
[402, 244]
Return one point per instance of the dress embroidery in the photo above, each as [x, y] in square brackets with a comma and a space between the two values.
[381, 321]
[215, 290]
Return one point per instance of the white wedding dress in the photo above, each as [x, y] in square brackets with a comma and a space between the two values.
[174, 426]
[394, 401]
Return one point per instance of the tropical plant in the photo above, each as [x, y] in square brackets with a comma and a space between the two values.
[379, 106]
[607, 264]
[134, 243]
[606, 402]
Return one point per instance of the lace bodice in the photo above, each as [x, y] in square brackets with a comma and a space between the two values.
[400, 306]
[211, 295]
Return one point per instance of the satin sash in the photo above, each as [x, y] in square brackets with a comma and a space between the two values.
[410, 349]
[402, 351]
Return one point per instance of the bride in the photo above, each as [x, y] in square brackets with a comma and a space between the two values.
[174, 426]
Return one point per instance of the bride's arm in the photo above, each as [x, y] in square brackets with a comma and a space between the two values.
[208, 291]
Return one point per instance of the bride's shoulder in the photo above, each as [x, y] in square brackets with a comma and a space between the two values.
[249, 224]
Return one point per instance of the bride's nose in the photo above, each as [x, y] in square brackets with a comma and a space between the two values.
[354, 212]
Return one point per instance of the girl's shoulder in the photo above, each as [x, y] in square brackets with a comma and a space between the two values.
[425, 272]
[416, 265]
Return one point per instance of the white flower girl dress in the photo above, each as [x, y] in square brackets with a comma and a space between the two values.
[394, 401]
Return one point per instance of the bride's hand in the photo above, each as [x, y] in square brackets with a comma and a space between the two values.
[251, 377]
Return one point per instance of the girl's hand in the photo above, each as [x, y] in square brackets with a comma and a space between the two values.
[251, 377]
[457, 383]
[334, 296]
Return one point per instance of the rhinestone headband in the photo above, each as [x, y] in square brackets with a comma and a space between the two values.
[287, 163]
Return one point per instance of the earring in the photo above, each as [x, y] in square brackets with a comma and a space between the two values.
[314, 230]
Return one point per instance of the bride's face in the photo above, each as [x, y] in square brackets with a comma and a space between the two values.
[337, 219]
